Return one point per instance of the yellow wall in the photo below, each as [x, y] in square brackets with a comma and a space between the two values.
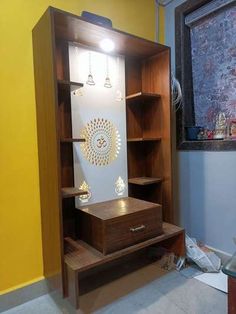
[161, 24]
[20, 232]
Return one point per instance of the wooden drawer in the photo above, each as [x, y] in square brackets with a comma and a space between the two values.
[117, 224]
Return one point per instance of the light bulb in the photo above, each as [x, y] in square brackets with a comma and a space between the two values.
[107, 45]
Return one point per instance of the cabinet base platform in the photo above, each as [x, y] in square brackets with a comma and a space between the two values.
[81, 257]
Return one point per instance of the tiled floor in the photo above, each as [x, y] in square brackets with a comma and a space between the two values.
[148, 290]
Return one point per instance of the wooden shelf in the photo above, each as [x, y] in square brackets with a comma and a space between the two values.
[66, 85]
[140, 96]
[71, 140]
[81, 256]
[144, 180]
[142, 139]
[71, 192]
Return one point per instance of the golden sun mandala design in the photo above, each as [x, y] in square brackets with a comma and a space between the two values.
[102, 142]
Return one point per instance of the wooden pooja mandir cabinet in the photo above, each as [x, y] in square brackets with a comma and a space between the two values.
[66, 257]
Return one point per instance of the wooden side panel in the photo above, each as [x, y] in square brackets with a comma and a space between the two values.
[133, 76]
[72, 287]
[231, 295]
[62, 60]
[64, 113]
[90, 229]
[151, 193]
[176, 244]
[156, 79]
[152, 123]
[134, 120]
[48, 149]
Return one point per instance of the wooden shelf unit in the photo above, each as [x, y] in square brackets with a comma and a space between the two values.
[148, 131]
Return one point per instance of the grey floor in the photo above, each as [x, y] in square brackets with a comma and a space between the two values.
[149, 290]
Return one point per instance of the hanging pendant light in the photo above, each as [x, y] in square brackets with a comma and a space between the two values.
[90, 80]
[107, 83]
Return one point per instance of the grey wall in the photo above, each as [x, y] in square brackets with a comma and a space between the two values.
[205, 181]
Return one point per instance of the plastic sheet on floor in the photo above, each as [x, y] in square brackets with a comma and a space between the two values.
[215, 280]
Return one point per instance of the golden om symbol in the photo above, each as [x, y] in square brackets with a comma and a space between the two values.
[101, 142]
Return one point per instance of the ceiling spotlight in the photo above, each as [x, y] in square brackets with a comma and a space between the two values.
[107, 45]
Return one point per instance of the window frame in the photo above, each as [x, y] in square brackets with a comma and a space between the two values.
[185, 114]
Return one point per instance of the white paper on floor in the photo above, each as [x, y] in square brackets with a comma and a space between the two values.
[215, 280]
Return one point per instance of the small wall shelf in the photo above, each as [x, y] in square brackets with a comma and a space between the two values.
[66, 85]
[71, 192]
[141, 139]
[71, 140]
[144, 180]
[142, 96]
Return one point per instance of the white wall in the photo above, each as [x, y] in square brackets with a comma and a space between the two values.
[206, 181]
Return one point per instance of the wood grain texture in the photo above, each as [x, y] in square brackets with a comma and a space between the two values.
[113, 225]
[131, 229]
[82, 256]
[64, 113]
[156, 79]
[72, 287]
[151, 192]
[231, 295]
[71, 140]
[148, 119]
[143, 139]
[74, 28]
[71, 192]
[68, 85]
[62, 61]
[68, 215]
[48, 148]
[116, 208]
[141, 97]
[67, 166]
[144, 180]
[133, 76]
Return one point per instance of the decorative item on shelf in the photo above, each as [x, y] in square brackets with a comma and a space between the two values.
[205, 134]
[90, 80]
[77, 92]
[192, 132]
[118, 96]
[232, 129]
[220, 126]
[210, 134]
[102, 142]
[107, 83]
[120, 186]
[85, 187]
[201, 134]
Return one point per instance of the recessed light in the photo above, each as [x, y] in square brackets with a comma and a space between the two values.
[107, 45]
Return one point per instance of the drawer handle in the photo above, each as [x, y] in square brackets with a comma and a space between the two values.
[139, 228]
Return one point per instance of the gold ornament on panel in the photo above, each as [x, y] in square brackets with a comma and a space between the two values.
[102, 142]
